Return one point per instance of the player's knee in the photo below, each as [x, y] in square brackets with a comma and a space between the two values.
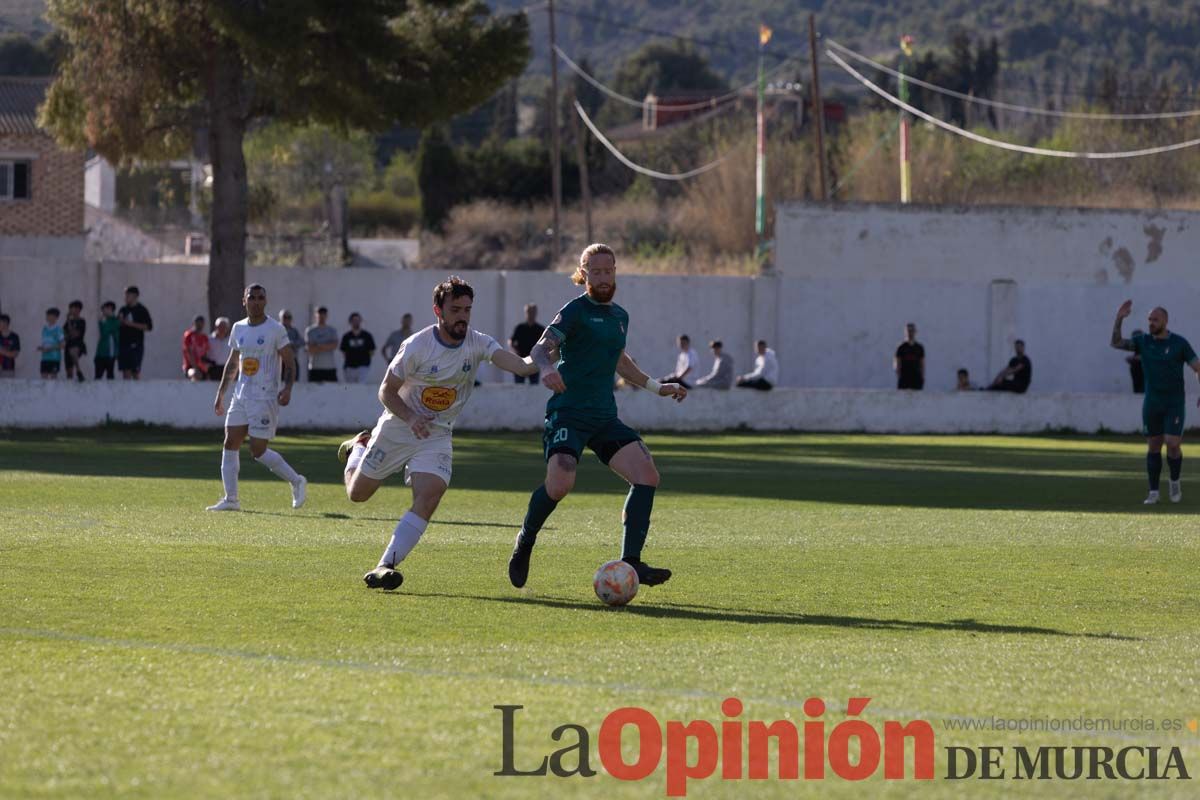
[359, 493]
[648, 476]
[560, 485]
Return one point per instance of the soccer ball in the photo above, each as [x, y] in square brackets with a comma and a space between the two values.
[616, 583]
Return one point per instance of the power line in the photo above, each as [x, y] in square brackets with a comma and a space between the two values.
[1019, 148]
[1046, 112]
[663, 176]
[713, 103]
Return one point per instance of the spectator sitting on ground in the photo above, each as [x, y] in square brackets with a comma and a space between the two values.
[10, 348]
[74, 346]
[524, 337]
[909, 361]
[195, 351]
[766, 369]
[397, 337]
[721, 375]
[964, 381]
[107, 343]
[218, 348]
[687, 365]
[357, 346]
[52, 345]
[321, 339]
[1016, 376]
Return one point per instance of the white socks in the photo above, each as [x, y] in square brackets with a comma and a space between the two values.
[274, 462]
[230, 464]
[356, 456]
[404, 539]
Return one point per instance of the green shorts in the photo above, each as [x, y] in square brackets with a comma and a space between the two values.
[1163, 416]
[570, 433]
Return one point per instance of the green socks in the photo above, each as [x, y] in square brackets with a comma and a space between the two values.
[637, 520]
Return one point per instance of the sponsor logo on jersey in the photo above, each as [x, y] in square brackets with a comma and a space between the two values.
[249, 367]
[261, 340]
[433, 369]
[438, 398]
[466, 366]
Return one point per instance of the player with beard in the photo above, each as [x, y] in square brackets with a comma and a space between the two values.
[579, 356]
[428, 382]
[1163, 355]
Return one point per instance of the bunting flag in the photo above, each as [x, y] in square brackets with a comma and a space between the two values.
[764, 35]
[760, 217]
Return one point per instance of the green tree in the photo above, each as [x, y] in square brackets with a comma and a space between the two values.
[664, 67]
[141, 78]
[294, 161]
[438, 176]
[20, 55]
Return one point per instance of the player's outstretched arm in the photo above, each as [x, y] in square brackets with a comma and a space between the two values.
[511, 362]
[630, 371]
[1118, 341]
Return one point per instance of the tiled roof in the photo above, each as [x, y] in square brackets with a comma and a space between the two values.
[19, 101]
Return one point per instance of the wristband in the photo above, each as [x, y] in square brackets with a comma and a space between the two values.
[652, 385]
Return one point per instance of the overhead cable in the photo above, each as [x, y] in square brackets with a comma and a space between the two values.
[1019, 148]
[664, 176]
[1045, 112]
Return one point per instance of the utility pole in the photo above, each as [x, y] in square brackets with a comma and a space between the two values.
[581, 153]
[905, 166]
[818, 108]
[555, 145]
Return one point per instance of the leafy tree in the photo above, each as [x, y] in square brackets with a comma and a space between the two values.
[20, 55]
[141, 78]
[293, 161]
[438, 176]
[663, 67]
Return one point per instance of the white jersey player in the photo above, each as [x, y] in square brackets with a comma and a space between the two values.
[260, 356]
[427, 384]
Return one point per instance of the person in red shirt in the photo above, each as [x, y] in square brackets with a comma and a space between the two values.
[195, 350]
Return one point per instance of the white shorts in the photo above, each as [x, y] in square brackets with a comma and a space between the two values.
[396, 448]
[260, 415]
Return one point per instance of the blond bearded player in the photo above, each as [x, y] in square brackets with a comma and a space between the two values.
[427, 384]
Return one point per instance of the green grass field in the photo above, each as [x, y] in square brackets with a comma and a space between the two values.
[148, 649]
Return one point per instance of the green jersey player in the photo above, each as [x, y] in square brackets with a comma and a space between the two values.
[1163, 355]
[579, 357]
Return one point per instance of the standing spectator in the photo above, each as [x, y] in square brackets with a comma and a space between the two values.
[909, 361]
[1016, 376]
[135, 321]
[74, 329]
[687, 365]
[397, 337]
[1136, 375]
[321, 339]
[106, 345]
[218, 348]
[52, 345]
[524, 337]
[294, 338]
[766, 369]
[357, 346]
[721, 376]
[195, 351]
[10, 348]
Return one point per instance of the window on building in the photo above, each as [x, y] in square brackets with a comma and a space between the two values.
[14, 180]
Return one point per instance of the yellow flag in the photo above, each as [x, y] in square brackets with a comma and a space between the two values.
[906, 42]
[764, 34]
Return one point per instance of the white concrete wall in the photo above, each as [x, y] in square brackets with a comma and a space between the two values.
[39, 404]
[982, 243]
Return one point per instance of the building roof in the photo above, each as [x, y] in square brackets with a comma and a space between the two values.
[19, 101]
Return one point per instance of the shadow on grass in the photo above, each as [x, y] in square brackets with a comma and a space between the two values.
[673, 611]
[921, 472]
